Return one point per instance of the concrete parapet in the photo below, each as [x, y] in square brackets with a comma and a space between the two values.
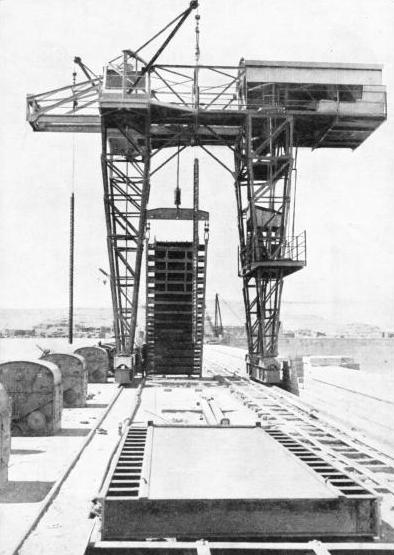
[35, 389]
[298, 364]
[74, 377]
[5, 435]
[97, 362]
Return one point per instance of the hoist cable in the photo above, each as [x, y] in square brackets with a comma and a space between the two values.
[196, 91]
[159, 33]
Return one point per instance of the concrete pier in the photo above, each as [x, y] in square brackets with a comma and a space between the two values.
[5, 435]
[35, 389]
[74, 377]
[97, 362]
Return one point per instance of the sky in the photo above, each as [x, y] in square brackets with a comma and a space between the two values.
[345, 199]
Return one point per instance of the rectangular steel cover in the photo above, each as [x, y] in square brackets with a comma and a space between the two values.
[208, 482]
[230, 463]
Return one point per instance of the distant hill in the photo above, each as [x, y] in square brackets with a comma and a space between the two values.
[294, 316]
[26, 318]
[307, 321]
[233, 314]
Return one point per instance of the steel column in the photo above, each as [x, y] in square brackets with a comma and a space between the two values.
[126, 180]
[263, 168]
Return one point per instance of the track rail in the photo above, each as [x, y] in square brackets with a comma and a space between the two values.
[228, 548]
[62, 525]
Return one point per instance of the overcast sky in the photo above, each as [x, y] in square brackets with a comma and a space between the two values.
[345, 199]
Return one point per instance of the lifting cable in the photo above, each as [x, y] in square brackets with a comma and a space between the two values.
[197, 17]
[160, 32]
[180, 20]
[196, 90]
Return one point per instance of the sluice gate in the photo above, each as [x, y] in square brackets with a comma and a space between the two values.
[181, 489]
[174, 327]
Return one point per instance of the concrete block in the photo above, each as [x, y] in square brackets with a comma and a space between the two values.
[74, 377]
[35, 389]
[5, 435]
[97, 363]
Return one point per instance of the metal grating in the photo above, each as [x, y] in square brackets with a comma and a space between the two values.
[290, 413]
[341, 481]
[125, 480]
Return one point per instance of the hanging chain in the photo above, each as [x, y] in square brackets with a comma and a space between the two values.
[177, 199]
[197, 31]
[196, 90]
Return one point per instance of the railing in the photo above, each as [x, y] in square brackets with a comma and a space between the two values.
[208, 88]
[292, 249]
[295, 248]
[205, 87]
[79, 99]
[316, 98]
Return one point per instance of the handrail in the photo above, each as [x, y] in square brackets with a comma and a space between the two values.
[293, 249]
[221, 88]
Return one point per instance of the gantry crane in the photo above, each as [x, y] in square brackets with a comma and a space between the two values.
[261, 111]
[215, 326]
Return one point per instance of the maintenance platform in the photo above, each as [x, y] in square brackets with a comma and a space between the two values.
[333, 105]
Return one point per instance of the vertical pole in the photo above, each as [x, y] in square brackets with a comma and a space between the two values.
[141, 232]
[110, 232]
[195, 244]
[124, 74]
[71, 274]
[195, 201]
